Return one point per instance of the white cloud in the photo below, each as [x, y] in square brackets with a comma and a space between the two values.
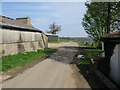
[45, 0]
[59, 0]
[68, 15]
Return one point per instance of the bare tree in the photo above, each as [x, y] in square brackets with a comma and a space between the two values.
[54, 28]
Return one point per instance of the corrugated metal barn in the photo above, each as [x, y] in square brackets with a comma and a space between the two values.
[19, 36]
[53, 38]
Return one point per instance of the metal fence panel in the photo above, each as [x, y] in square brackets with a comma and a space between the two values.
[14, 36]
[37, 36]
[6, 36]
[27, 36]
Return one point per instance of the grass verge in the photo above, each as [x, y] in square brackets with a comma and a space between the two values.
[53, 42]
[84, 64]
[89, 49]
[86, 67]
[92, 50]
[12, 61]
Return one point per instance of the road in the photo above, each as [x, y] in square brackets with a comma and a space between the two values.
[57, 71]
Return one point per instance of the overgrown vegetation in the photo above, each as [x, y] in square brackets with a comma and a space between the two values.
[92, 50]
[84, 65]
[87, 48]
[12, 61]
[87, 43]
[84, 61]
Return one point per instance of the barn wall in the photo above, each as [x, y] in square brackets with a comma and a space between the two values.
[0, 35]
[0, 50]
[119, 64]
[0, 42]
[115, 65]
[13, 41]
[45, 40]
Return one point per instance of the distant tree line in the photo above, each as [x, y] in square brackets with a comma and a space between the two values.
[101, 18]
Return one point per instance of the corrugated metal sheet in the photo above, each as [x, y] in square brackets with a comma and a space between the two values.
[12, 22]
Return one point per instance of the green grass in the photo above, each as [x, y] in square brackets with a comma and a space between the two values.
[13, 61]
[64, 40]
[84, 42]
[53, 42]
[84, 61]
[89, 49]
[85, 66]
[80, 43]
[92, 50]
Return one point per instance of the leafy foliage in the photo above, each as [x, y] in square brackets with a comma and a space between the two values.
[101, 18]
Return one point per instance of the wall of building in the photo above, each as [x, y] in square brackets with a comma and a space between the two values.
[53, 38]
[115, 65]
[13, 41]
[45, 40]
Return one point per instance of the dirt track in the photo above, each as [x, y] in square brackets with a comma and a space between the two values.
[54, 72]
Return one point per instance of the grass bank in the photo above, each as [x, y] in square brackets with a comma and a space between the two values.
[91, 49]
[85, 67]
[53, 42]
[12, 61]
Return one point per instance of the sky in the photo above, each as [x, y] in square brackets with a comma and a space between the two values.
[67, 14]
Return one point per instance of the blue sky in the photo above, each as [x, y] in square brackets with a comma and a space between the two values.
[67, 14]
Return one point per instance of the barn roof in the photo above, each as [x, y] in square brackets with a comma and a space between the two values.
[22, 23]
[114, 36]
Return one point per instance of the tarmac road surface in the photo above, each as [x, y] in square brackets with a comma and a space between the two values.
[53, 72]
